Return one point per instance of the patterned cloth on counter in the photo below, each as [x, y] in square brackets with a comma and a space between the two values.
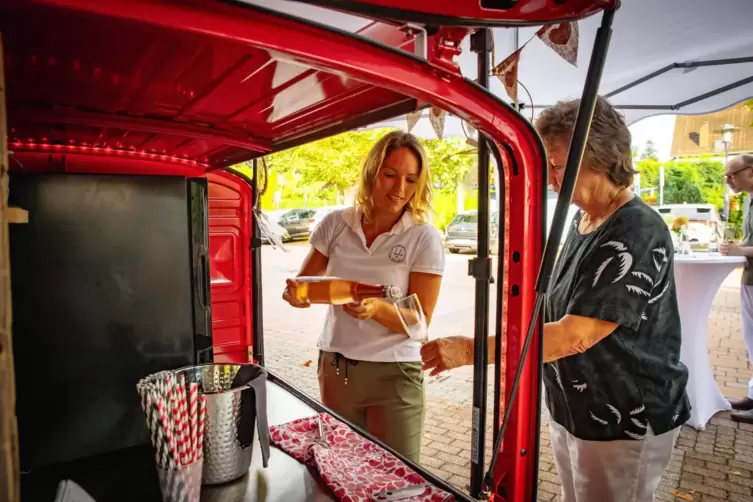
[353, 467]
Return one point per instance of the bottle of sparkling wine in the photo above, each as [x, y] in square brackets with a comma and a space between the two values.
[338, 291]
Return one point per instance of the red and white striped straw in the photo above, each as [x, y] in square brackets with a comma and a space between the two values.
[175, 423]
[167, 430]
[193, 418]
[185, 430]
[202, 418]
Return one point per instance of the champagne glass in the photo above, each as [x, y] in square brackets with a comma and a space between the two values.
[414, 321]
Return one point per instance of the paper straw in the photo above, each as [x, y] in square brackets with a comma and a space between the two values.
[193, 417]
[175, 423]
[184, 425]
[202, 418]
[167, 429]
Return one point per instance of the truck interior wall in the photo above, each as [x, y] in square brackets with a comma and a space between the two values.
[230, 230]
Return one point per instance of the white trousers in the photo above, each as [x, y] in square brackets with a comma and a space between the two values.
[746, 314]
[609, 471]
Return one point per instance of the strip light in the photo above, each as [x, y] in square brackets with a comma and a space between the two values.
[43, 146]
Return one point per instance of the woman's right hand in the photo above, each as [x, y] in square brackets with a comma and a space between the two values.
[289, 295]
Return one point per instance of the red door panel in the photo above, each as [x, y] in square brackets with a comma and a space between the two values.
[230, 203]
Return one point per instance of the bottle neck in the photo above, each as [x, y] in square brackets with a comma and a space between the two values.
[363, 290]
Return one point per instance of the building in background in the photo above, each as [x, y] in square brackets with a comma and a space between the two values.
[700, 135]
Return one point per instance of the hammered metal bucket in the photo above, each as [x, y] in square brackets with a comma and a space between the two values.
[231, 419]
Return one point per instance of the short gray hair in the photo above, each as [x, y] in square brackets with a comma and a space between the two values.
[609, 142]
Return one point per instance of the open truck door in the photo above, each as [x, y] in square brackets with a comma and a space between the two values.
[191, 89]
[488, 13]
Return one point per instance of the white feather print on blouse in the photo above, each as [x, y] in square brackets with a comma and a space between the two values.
[645, 277]
[615, 412]
[597, 419]
[637, 290]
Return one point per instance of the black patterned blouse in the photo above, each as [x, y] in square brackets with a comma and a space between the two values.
[633, 379]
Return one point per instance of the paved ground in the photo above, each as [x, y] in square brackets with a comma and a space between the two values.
[712, 465]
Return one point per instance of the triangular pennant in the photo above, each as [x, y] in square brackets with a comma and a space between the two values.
[563, 39]
[507, 73]
[413, 119]
[437, 116]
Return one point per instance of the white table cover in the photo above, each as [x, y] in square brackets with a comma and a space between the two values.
[698, 278]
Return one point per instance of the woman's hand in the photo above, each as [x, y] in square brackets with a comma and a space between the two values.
[730, 249]
[445, 354]
[289, 295]
[365, 309]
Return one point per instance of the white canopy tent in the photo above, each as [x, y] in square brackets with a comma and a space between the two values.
[649, 36]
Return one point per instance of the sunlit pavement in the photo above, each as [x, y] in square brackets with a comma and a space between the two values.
[711, 465]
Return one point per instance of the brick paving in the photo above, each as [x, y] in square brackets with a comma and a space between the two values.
[712, 465]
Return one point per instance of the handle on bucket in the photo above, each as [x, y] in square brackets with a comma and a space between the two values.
[253, 377]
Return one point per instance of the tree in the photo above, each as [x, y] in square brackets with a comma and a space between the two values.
[316, 173]
[650, 151]
[694, 182]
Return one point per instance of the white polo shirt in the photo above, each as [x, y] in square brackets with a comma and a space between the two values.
[408, 247]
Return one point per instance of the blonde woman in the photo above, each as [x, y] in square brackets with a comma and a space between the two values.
[369, 370]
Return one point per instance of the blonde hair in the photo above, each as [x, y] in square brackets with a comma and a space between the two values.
[608, 145]
[420, 203]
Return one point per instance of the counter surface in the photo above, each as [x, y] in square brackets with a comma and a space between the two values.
[130, 475]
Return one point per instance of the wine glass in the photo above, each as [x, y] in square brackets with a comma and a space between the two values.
[414, 321]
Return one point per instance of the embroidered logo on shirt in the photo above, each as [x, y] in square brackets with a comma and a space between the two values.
[397, 253]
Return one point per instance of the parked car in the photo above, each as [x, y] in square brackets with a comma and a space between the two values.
[461, 234]
[272, 220]
[298, 222]
[321, 213]
[702, 219]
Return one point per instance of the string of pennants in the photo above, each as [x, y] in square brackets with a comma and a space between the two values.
[562, 38]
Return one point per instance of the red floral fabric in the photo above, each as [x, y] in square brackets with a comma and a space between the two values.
[353, 467]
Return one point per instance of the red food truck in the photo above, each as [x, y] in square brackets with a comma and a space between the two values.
[128, 245]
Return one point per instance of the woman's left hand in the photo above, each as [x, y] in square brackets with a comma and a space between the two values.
[365, 309]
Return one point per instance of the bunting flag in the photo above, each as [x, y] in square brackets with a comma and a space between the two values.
[563, 39]
[437, 116]
[507, 73]
[413, 119]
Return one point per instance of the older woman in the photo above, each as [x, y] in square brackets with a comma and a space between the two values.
[615, 387]
[369, 370]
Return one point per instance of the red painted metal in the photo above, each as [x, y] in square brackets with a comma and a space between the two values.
[515, 470]
[187, 94]
[472, 11]
[230, 227]
[213, 65]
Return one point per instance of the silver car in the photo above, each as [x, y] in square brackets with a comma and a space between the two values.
[461, 234]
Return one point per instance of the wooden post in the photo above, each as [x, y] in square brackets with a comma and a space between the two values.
[9, 465]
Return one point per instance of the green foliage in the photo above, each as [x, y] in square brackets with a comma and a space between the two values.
[649, 170]
[333, 162]
[694, 181]
[444, 209]
[315, 174]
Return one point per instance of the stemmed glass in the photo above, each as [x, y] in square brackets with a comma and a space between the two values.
[414, 321]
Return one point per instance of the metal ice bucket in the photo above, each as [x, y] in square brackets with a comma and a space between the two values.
[230, 422]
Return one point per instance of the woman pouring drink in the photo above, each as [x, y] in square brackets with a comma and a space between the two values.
[615, 387]
[369, 369]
